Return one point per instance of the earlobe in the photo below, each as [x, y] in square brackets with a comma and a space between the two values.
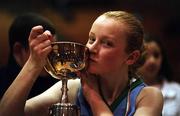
[133, 57]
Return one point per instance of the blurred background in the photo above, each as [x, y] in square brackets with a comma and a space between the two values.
[73, 19]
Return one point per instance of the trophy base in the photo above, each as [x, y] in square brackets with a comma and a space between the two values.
[64, 109]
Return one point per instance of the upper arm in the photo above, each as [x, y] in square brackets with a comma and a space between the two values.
[149, 102]
[39, 105]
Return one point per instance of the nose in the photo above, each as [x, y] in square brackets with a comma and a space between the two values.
[151, 60]
[93, 48]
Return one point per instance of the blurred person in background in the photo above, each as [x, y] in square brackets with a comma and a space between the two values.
[156, 72]
[19, 52]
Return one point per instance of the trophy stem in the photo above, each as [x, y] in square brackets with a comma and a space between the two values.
[64, 90]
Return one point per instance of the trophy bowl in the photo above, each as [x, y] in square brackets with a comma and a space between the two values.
[65, 59]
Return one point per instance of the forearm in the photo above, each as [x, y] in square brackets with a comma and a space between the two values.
[90, 88]
[98, 106]
[13, 101]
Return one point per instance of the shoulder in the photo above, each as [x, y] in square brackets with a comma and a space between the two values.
[150, 93]
[151, 99]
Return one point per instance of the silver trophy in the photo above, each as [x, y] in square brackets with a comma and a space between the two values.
[63, 62]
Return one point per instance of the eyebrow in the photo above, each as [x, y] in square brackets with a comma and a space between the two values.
[104, 37]
[91, 33]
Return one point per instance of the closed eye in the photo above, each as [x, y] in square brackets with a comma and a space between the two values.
[107, 43]
[91, 40]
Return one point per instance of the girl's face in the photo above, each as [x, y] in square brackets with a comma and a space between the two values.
[107, 43]
[153, 62]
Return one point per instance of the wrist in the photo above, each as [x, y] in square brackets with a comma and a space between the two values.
[92, 97]
[98, 106]
[34, 65]
[31, 68]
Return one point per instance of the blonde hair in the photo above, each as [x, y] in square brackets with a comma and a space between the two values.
[135, 33]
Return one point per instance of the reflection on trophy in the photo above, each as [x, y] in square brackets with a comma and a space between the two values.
[63, 62]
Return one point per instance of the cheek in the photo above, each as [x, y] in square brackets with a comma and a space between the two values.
[108, 57]
[158, 64]
[112, 60]
[104, 63]
[152, 67]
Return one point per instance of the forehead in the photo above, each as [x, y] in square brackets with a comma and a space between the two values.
[152, 46]
[105, 26]
[111, 21]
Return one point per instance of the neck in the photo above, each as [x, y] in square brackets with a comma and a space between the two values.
[112, 87]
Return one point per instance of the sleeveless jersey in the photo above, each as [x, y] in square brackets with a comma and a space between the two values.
[118, 107]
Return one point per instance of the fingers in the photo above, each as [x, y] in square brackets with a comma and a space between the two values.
[39, 44]
[39, 40]
[35, 31]
[39, 31]
[82, 75]
[35, 38]
[87, 78]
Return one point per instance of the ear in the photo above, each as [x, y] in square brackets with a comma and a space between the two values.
[133, 57]
[19, 53]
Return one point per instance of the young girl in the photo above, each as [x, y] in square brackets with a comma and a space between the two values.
[108, 87]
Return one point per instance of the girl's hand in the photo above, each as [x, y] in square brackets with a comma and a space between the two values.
[90, 85]
[40, 46]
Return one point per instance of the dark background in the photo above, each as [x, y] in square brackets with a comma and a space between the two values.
[73, 19]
